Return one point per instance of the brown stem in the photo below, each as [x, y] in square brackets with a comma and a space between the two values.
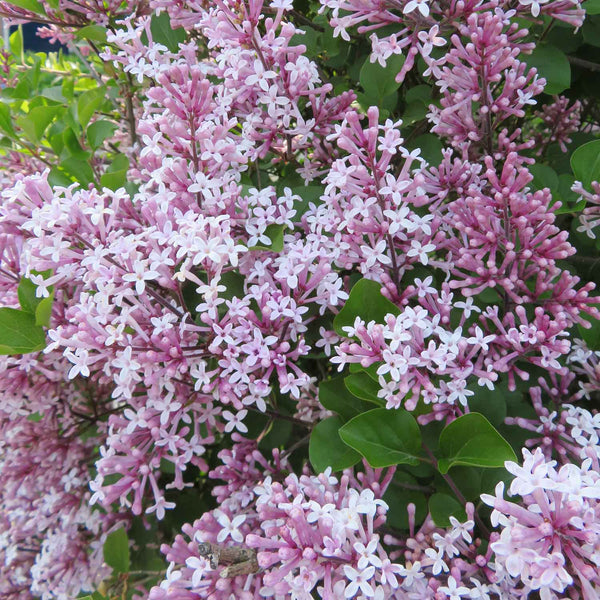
[281, 416]
[456, 491]
[584, 64]
[130, 113]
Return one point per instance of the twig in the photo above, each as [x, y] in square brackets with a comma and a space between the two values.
[584, 64]
[457, 493]
[130, 114]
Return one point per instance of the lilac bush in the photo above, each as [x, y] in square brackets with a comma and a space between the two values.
[298, 301]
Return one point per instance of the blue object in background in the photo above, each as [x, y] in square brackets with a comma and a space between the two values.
[31, 41]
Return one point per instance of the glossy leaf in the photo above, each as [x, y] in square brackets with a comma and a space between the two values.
[94, 33]
[591, 31]
[26, 294]
[43, 311]
[31, 5]
[116, 551]
[378, 82]
[163, 32]
[543, 177]
[99, 131]
[444, 506]
[585, 162]
[490, 403]
[366, 302]
[19, 333]
[334, 396]
[551, 64]
[431, 147]
[15, 43]
[472, 440]
[592, 7]
[364, 387]
[275, 234]
[40, 308]
[403, 491]
[88, 103]
[5, 121]
[115, 176]
[326, 449]
[591, 334]
[384, 437]
[79, 169]
[35, 122]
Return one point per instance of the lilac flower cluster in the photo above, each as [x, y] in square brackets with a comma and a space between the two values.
[46, 525]
[550, 538]
[206, 294]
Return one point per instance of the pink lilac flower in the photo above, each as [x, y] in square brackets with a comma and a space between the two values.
[548, 539]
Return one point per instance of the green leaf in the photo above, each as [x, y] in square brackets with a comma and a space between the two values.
[466, 479]
[275, 234]
[384, 437]
[88, 103]
[430, 146]
[473, 441]
[43, 311]
[571, 202]
[56, 177]
[99, 131]
[71, 146]
[543, 177]
[31, 5]
[309, 194]
[366, 302]
[364, 387]
[5, 122]
[116, 551]
[444, 506]
[585, 162]
[79, 169]
[333, 395]
[326, 449]
[422, 92]
[415, 111]
[19, 333]
[115, 176]
[35, 122]
[490, 403]
[378, 82]
[592, 7]
[551, 64]
[591, 31]
[94, 33]
[15, 43]
[386, 105]
[399, 495]
[40, 308]
[26, 295]
[163, 33]
[591, 335]
[330, 44]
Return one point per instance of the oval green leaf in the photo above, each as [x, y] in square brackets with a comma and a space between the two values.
[19, 333]
[443, 506]
[366, 302]
[116, 551]
[551, 64]
[326, 449]
[585, 162]
[384, 437]
[472, 440]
